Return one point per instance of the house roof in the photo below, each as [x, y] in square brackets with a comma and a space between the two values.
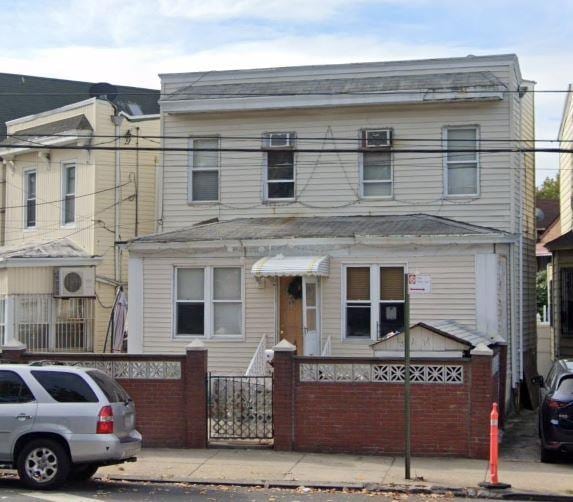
[78, 122]
[321, 227]
[564, 241]
[60, 248]
[332, 86]
[461, 333]
[546, 212]
[28, 95]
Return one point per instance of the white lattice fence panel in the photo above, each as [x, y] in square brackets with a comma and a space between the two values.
[153, 370]
[383, 373]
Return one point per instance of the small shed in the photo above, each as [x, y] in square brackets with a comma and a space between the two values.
[443, 339]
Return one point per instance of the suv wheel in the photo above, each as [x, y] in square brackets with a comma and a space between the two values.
[43, 464]
[82, 472]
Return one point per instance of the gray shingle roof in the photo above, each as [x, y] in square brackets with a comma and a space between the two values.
[61, 248]
[79, 122]
[27, 95]
[463, 333]
[321, 226]
[355, 85]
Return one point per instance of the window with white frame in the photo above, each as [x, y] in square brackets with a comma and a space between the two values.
[462, 161]
[203, 178]
[374, 301]
[30, 199]
[69, 194]
[377, 174]
[209, 302]
[280, 169]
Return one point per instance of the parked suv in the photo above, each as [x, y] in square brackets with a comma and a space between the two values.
[63, 422]
[556, 410]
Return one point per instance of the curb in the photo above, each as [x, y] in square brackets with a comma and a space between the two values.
[371, 487]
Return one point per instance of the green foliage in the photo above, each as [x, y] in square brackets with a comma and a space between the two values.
[541, 287]
[549, 189]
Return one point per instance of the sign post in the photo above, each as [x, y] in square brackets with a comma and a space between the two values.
[407, 414]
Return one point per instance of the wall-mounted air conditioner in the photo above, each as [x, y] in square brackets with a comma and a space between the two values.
[377, 138]
[74, 282]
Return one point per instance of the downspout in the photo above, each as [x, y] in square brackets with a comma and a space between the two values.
[137, 182]
[117, 120]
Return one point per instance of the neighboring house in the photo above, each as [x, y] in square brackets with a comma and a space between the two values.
[562, 246]
[270, 230]
[67, 206]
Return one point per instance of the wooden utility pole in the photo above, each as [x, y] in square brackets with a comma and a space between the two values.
[407, 396]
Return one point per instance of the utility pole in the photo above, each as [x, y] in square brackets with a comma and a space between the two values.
[407, 397]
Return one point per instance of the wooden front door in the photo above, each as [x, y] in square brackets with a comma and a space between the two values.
[290, 311]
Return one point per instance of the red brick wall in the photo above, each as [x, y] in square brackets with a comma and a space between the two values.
[363, 417]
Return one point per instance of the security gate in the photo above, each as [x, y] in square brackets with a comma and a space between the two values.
[240, 407]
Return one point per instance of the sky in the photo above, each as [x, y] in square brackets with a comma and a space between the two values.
[132, 41]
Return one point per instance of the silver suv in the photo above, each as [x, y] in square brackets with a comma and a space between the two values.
[63, 422]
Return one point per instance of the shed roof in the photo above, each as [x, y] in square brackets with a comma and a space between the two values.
[60, 248]
[321, 227]
[76, 123]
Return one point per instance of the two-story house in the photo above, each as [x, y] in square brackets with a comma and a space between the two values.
[293, 201]
[76, 184]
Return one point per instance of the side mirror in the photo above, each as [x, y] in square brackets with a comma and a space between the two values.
[538, 380]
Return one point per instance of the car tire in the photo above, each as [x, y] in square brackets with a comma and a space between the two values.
[43, 464]
[547, 456]
[82, 472]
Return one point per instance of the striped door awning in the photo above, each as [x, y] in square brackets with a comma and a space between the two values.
[277, 266]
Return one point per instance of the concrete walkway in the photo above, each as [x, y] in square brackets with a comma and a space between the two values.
[261, 465]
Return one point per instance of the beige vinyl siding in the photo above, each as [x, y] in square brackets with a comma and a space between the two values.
[4, 282]
[566, 169]
[30, 280]
[328, 183]
[229, 356]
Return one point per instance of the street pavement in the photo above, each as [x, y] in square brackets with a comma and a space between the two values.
[10, 490]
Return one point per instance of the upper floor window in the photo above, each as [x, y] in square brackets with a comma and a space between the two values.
[376, 168]
[374, 301]
[279, 170]
[69, 194]
[462, 160]
[209, 302]
[30, 199]
[203, 178]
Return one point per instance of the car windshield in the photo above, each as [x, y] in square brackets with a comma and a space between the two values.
[114, 392]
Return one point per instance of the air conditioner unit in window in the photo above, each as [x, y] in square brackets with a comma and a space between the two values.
[279, 140]
[74, 282]
[377, 138]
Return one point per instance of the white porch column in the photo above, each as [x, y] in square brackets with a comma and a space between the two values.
[9, 322]
[135, 305]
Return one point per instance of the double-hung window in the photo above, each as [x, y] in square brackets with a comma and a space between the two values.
[280, 168]
[69, 194]
[203, 178]
[209, 302]
[376, 174]
[30, 199]
[374, 301]
[461, 161]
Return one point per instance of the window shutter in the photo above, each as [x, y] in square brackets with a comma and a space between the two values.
[358, 283]
[391, 283]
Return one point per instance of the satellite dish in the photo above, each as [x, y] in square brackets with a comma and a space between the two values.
[103, 90]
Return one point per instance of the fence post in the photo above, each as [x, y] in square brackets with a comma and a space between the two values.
[13, 352]
[195, 385]
[283, 395]
[481, 399]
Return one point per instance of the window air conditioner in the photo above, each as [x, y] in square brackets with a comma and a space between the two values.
[377, 138]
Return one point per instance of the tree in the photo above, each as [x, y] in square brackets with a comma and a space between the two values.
[549, 189]
[541, 288]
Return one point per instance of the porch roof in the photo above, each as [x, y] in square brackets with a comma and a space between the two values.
[55, 252]
[279, 265]
[411, 225]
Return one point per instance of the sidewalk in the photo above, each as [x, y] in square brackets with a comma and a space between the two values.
[260, 465]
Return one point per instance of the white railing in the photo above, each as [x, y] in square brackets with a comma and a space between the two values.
[47, 324]
[258, 365]
[327, 349]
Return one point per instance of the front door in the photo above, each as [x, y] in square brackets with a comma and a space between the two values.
[290, 312]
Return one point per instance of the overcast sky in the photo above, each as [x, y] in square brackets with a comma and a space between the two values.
[131, 41]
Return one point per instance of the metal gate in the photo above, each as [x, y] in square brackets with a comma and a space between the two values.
[240, 407]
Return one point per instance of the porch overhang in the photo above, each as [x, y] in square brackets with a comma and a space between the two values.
[281, 266]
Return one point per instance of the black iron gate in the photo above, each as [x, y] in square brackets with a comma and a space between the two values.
[240, 407]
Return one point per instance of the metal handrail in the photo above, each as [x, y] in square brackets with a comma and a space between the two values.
[258, 364]
[327, 349]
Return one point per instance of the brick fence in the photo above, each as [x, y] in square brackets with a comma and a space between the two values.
[169, 391]
[319, 404]
[357, 405]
